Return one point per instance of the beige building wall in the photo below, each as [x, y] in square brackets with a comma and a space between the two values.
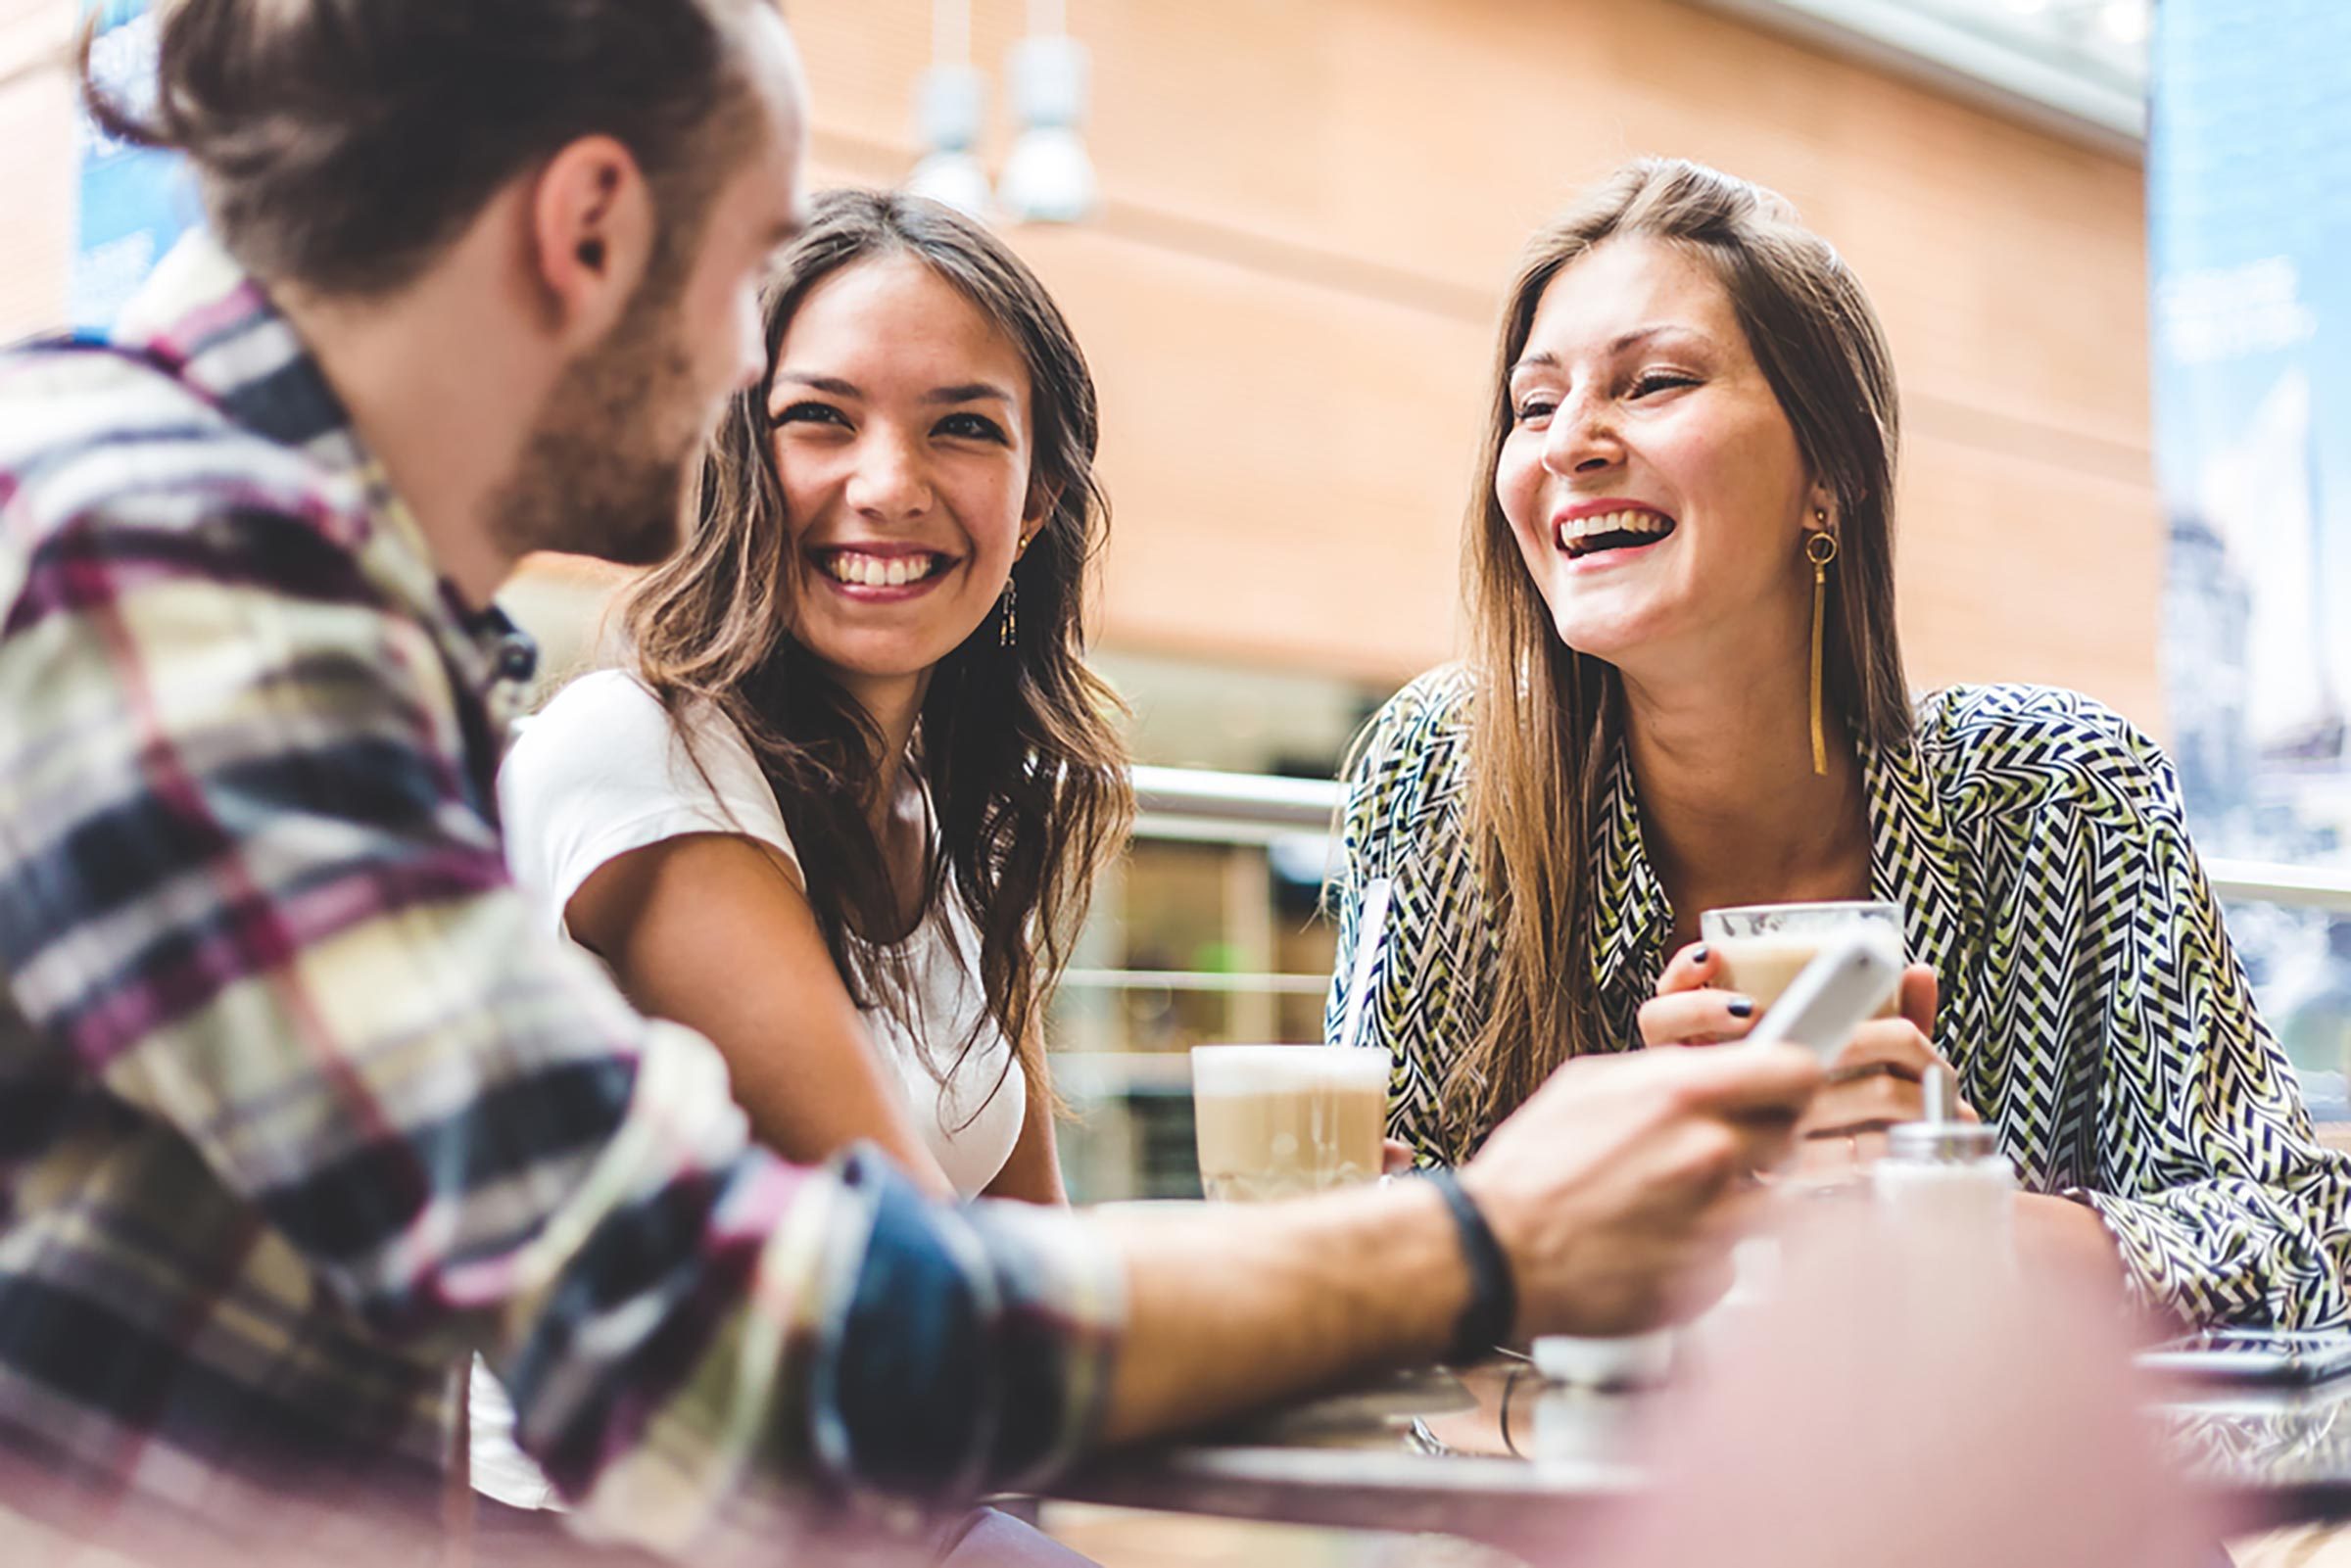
[1311, 207]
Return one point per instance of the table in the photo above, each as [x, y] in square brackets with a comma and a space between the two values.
[1363, 1460]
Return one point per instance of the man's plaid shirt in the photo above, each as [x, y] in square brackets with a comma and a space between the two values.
[298, 1104]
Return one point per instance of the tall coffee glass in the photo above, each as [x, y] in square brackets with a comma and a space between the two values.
[1277, 1121]
[1764, 947]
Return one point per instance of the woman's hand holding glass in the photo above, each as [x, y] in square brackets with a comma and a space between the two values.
[1874, 1082]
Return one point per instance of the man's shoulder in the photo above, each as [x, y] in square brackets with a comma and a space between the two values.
[63, 398]
[98, 442]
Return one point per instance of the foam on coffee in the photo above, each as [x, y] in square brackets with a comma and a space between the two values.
[1764, 967]
[1277, 1121]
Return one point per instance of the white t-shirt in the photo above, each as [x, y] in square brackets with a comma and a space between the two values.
[601, 771]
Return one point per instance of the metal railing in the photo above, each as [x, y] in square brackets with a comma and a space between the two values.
[1195, 805]
[2261, 882]
[1242, 808]
[1133, 1136]
[1232, 808]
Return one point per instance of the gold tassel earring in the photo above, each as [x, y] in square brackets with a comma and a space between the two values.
[1820, 549]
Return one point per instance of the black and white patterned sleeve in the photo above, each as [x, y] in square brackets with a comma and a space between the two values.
[1395, 994]
[2225, 1208]
[1358, 859]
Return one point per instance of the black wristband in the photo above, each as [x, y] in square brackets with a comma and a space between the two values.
[1493, 1309]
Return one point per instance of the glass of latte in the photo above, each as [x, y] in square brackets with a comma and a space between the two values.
[1277, 1121]
[1764, 947]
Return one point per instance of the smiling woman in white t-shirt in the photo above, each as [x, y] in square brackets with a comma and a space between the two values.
[841, 807]
[843, 804]
[604, 774]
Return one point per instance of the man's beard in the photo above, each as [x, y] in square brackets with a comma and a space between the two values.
[601, 472]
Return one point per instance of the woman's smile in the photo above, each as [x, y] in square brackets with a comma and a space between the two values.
[1597, 535]
[1636, 386]
[880, 574]
[901, 442]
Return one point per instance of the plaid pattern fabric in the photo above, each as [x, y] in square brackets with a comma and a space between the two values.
[298, 1104]
[2090, 999]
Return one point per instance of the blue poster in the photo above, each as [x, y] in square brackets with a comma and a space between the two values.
[133, 202]
[2249, 198]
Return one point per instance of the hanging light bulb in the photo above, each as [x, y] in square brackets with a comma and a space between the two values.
[949, 106]
[2125, 22]
[1049, 178]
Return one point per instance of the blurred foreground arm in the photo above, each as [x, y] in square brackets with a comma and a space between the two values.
[1616, 1191]
[358, 1112]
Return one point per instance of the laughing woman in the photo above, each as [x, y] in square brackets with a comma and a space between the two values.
[1688, 692]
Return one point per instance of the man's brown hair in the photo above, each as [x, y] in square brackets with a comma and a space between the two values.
[343, 144]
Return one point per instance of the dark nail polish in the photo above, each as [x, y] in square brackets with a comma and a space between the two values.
[1740, 1007]
[1701, 954]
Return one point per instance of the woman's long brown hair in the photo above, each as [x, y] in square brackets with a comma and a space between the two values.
[1548, 721]
[1026, 772]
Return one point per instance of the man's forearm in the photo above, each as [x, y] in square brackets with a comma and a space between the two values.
[1235, 1305]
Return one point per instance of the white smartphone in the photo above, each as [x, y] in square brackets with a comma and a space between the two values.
[1849, 979]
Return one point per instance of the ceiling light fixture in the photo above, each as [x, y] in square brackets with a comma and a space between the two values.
[950, 103]
[1049, 177]
[2125, 22]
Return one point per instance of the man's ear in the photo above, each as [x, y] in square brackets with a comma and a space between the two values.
[592, 235]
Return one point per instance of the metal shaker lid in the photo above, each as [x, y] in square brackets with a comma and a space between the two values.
[1940, 1143]
[1941, 1138]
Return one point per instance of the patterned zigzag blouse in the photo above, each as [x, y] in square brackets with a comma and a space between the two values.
[2091, 1001]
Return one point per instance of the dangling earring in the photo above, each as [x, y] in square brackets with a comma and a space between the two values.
[1008, 609]
[1820, 549]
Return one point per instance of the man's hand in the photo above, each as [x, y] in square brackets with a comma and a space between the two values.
[1619, 1187]
[1616, 1191]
